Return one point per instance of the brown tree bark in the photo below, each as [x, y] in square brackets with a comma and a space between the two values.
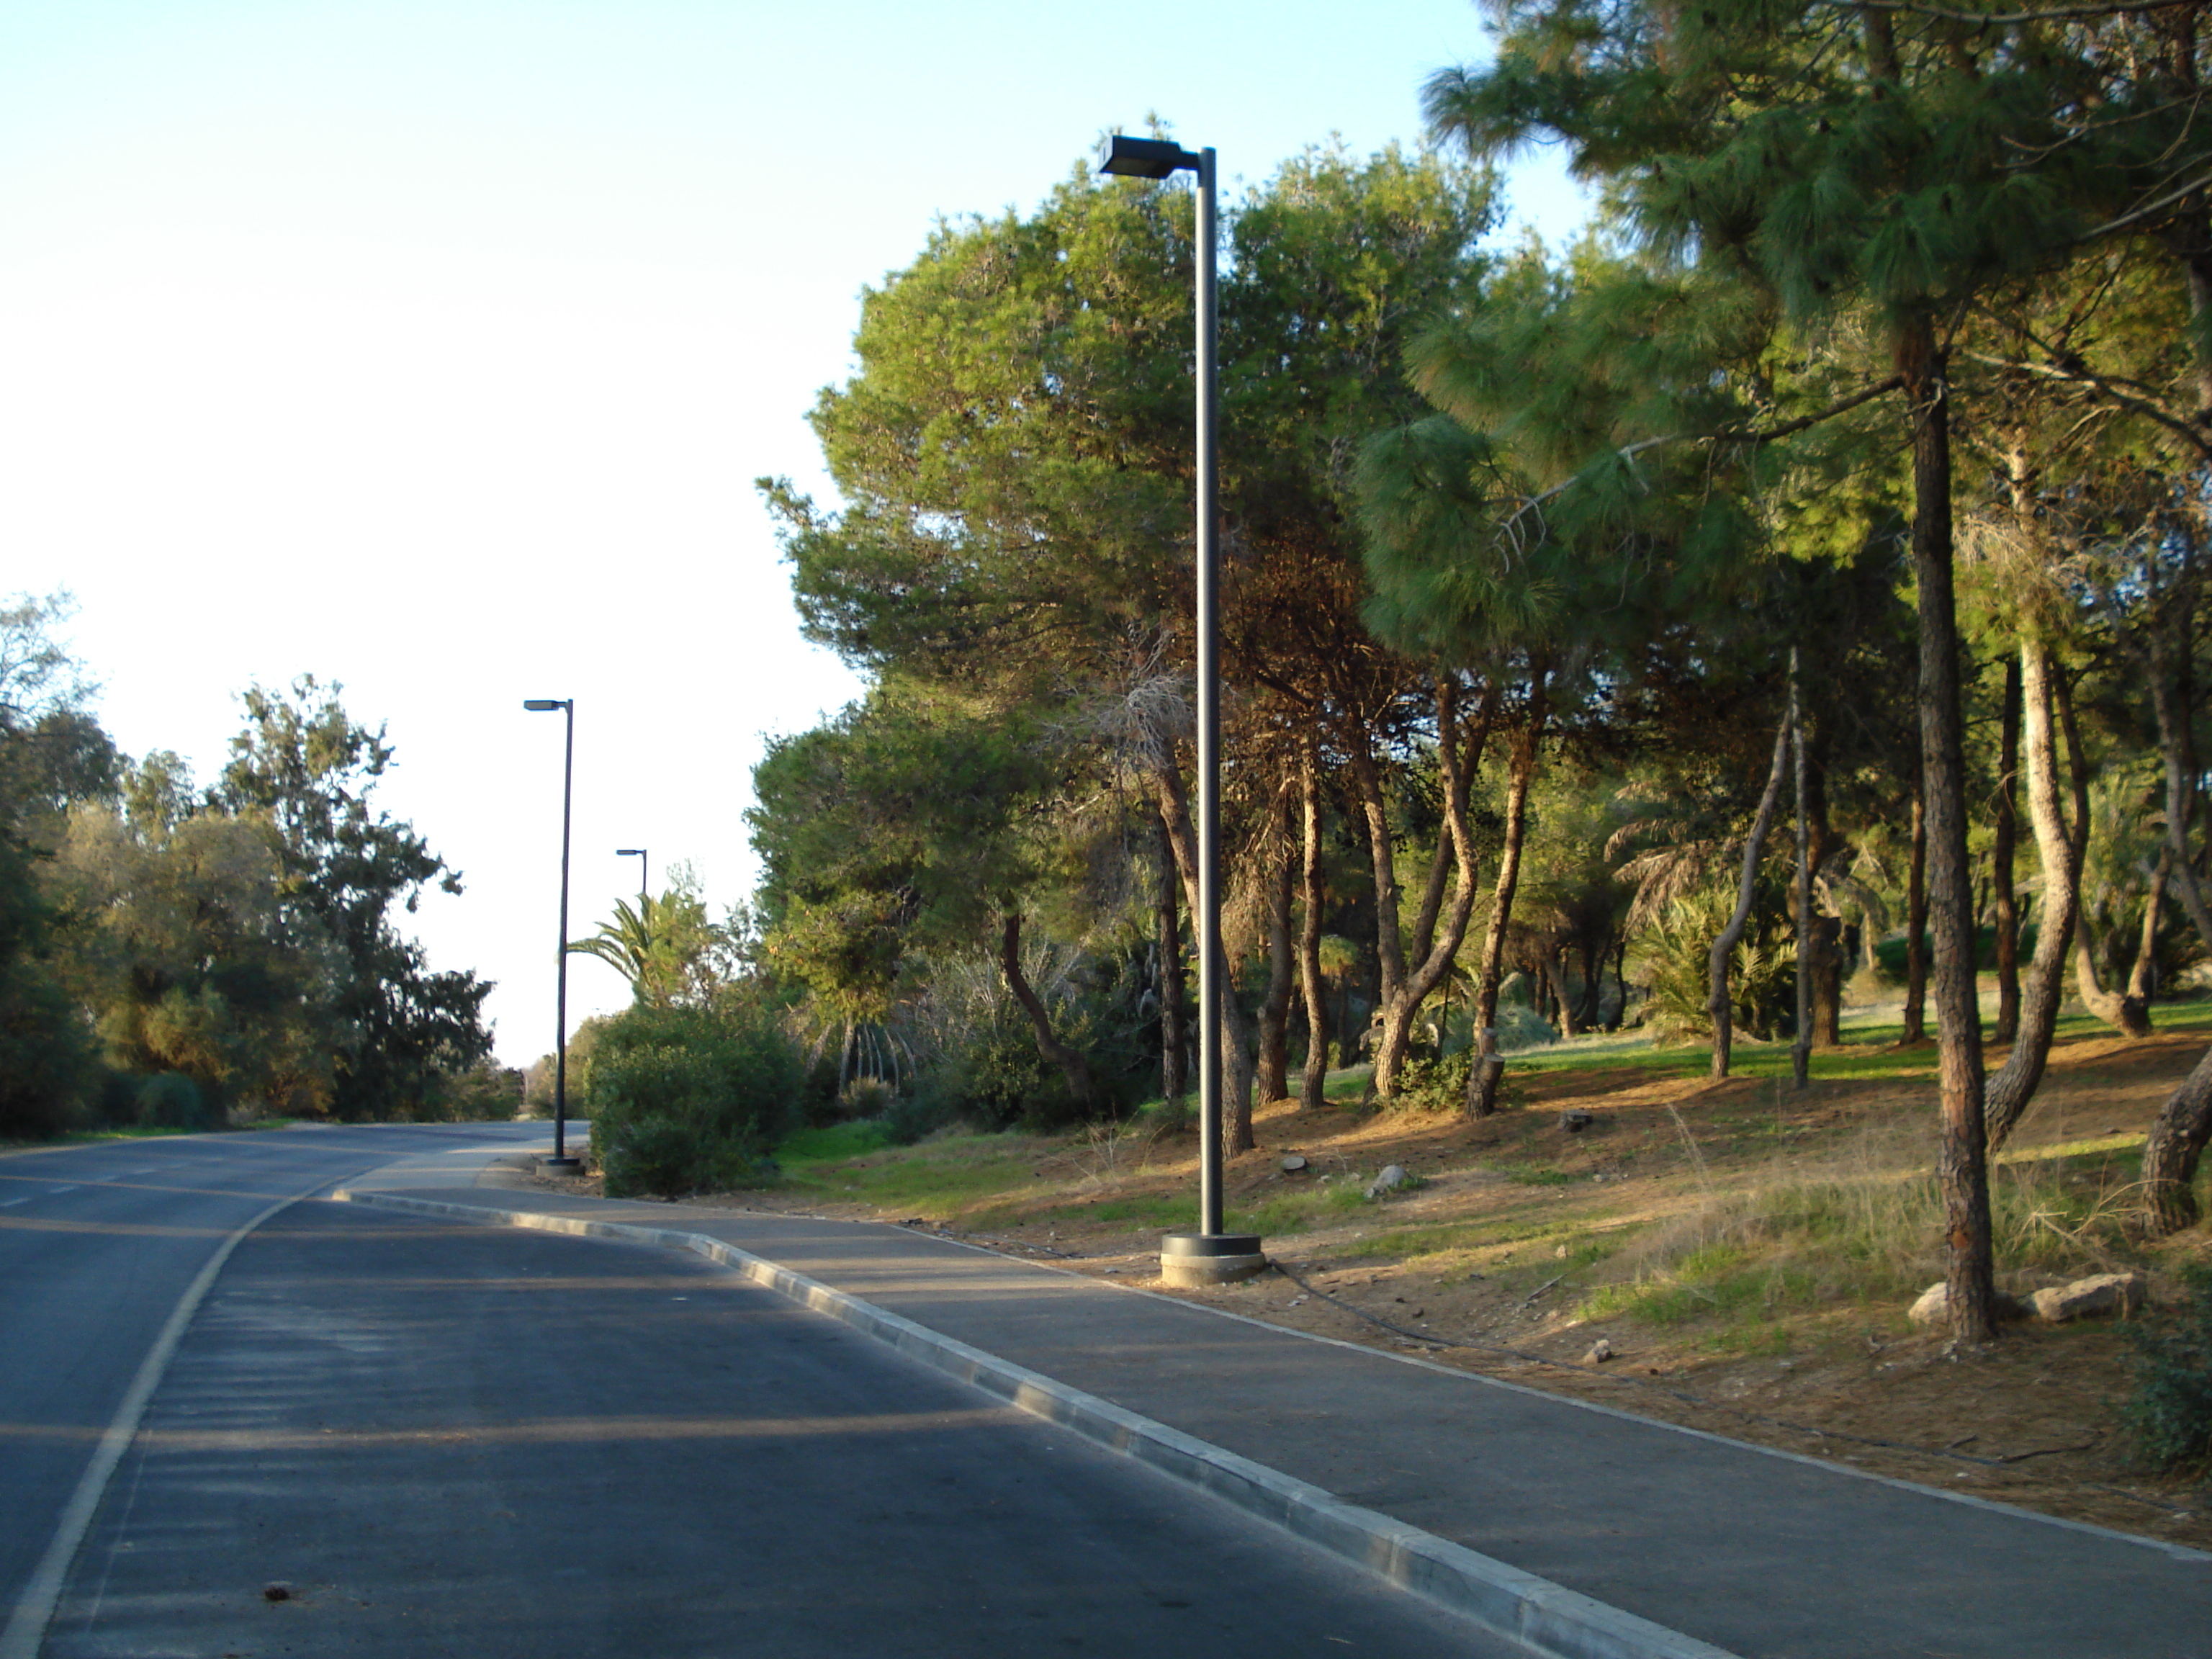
[1489, 1069]
[2130, 1019]
[1174, 1069]
[1555, 975]
[1072, 1065]
[1916, 929]
[2142, 978]
[1410, 976]
[1235, 1035]
[2002, 880]
[1274, 1079]
[1718, 1004]
[2008, 1091]
[1962, 1164]
[2173, 1151]
[1800, 1051]
[1312, 1083]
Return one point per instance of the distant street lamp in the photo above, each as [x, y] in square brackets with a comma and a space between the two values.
[561, 1160]
[1208, 1256]
[637, 853]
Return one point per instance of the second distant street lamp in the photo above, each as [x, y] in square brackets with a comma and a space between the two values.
[1209, 1256]
[637, 853]
[561, 1160]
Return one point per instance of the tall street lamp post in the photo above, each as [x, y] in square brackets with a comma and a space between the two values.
[637, 853]
[1209, 1256]
[561, 1160]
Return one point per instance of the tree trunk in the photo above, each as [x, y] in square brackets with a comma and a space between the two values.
[1800, 1051]
[2142, 980]
[2014, 1085]
[1828, 981]
[2123, 1012]
[1072, 1065]
[1488, 1070]
[2002, 878]
[1718, 1004]
[1915, 930]
[1962, 1164]
[1593, 1004]
[1235, 1032]
[1312, 1091]
[2171, 1155]
[1438, 932]
[2129, 1018]
[1175, 1070]
[1555, 972]
[1274, 1082]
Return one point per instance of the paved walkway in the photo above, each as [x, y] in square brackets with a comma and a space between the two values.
[1755, 1553]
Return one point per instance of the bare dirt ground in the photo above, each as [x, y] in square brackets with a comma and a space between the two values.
[1484, 1264]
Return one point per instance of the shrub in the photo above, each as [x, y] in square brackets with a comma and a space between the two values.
[170, 1100]
[687, 1098]
[1673, 955]
[2171, 1411]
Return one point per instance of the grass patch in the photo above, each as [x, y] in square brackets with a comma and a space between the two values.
[955, 1175]
[830, 1144]
[1535, 1175]
[1298, 1211]
[1162, 1210]
[1866, 1228]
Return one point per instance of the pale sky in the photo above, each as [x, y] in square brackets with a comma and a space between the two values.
[432, 348]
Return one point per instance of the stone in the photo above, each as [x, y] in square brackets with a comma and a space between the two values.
[1601, 1350]
[2092, 1298]
[1575, 1123]
[1393, 1177]
[1293, 1164]
[276, 1592]
[1933, 1309]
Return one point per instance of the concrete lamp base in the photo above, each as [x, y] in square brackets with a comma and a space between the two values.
[1190, 1259]
[569, 1166]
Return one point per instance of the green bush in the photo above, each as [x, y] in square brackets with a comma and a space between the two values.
[683, 1099]
[1889, 953]
[170, 1100]
[2171, 1413]
[1673, 955]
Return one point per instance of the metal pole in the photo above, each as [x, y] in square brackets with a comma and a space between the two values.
[1212, 962]
[561, 995]
[644, 866]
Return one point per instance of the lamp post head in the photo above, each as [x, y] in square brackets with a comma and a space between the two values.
[1144, 158]
[542, 705]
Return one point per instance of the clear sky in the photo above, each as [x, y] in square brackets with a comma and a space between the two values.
[432, 348]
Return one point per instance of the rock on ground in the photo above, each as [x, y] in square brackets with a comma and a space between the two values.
[1934, 1307]
[2088, 1298]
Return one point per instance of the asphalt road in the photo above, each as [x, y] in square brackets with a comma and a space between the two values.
[459, 1440]
[98, 1244]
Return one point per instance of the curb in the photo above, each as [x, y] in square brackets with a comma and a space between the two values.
[1545, 1618]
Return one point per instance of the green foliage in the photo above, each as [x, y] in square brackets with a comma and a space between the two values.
[666, 948]
[1673, 958]
[1429, 1084]
[1889, 953]
[305, 770]
[45, 1053]
[2170, 1412]
[682, 1099]
[980, 1063]
[172, 1100]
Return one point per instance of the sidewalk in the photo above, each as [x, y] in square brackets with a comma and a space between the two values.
[1755, 1553]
